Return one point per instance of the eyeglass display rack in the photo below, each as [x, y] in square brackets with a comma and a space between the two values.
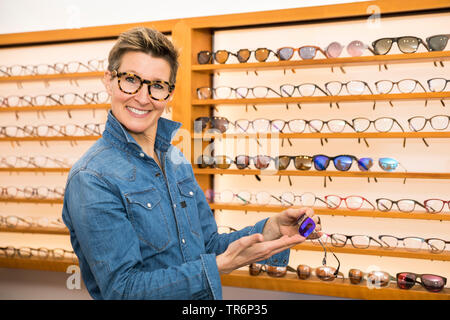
[194, 35]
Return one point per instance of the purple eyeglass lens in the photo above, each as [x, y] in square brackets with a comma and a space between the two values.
[334, 49]
[355, 48]
[307, 227]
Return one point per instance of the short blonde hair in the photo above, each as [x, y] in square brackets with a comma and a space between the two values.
[145, 40]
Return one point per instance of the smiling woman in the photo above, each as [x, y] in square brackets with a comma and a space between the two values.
[140, 224]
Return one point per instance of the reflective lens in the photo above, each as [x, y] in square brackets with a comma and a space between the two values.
[438, 42]
[356, 48]
[221, 56]
[343, 163]
[388, 164]
[364, 164]
[321, 162]
[285, 53]
[307, 52]
[303, 162]
[243, 55]
[262, 54]
[334, 49]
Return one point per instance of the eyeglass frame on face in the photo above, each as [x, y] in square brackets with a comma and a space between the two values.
[142, 81]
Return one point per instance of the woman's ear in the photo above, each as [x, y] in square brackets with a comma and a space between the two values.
[107, 81]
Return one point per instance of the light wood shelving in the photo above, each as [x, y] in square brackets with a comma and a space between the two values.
[336, 288]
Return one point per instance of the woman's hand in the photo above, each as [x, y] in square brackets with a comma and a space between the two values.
[280, 233]
[253, 248]
[285, 223]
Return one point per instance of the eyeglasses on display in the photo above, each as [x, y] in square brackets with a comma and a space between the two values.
[304, 89]
[256, 269]
[28, 192]
[436, 205]
[403, 86]
[41, 253]
[353, 87]
[354, 49]
[223, 92]
[431, 282]
[406, 44]
[437, 42]
[55, 99]
[12, 221]
[434, 245]
[35, 162]
[438, 122]
[357, 241]
[131, 83]
[437, 84]
[351, 202]
[52, 130]
[305, 52]
[341, 162]
[375, 278]
[403, 205]
[217, 123]
[383, 124]
[219, 161]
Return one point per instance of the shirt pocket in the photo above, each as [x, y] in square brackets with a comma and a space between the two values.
[187, 191]
[147, 218]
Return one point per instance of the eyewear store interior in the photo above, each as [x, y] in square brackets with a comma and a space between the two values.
[365, 125]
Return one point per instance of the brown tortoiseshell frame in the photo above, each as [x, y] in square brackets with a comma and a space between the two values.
[149, 82]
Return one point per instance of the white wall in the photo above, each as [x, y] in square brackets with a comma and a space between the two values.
[31, 15]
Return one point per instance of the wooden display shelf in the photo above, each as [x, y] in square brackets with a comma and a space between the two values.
[337, 212]
[417, 57]
[38, 230]
[326, 135]
[34, 263]
[377, 251]
[356, 174]
[57, 108]
[63, 138]
[327, 99]
[26, 200]
[57, 76]
[336, 288]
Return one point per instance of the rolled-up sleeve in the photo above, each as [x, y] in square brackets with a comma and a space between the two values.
[109, 248]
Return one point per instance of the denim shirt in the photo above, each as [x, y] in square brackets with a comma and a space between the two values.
[141, 231]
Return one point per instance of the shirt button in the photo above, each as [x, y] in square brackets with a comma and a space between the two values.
[149, 205]
[141, 154]
[174, 205]
[182, 240]
[191, 193]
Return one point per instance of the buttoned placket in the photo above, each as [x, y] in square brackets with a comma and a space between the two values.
[162, 156]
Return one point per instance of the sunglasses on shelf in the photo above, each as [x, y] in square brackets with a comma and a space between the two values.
[216, 123]
[341, 162]
[374, 278]
[437, 42]
[354, 49]
[243, 55]
[431, 282]
[256, 269]
[305, 52]
[406, 44]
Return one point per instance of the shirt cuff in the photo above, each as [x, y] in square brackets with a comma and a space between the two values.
[212, 275]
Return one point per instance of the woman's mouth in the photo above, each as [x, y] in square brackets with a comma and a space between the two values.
[137, 112]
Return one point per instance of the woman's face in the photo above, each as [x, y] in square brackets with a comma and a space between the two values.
[138, 112]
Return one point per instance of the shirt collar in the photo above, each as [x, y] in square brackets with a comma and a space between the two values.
[164, 133]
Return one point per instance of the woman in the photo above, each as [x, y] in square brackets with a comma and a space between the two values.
[139, 222]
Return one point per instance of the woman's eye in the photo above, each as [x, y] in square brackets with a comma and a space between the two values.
[130, 79]
[157, 86]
